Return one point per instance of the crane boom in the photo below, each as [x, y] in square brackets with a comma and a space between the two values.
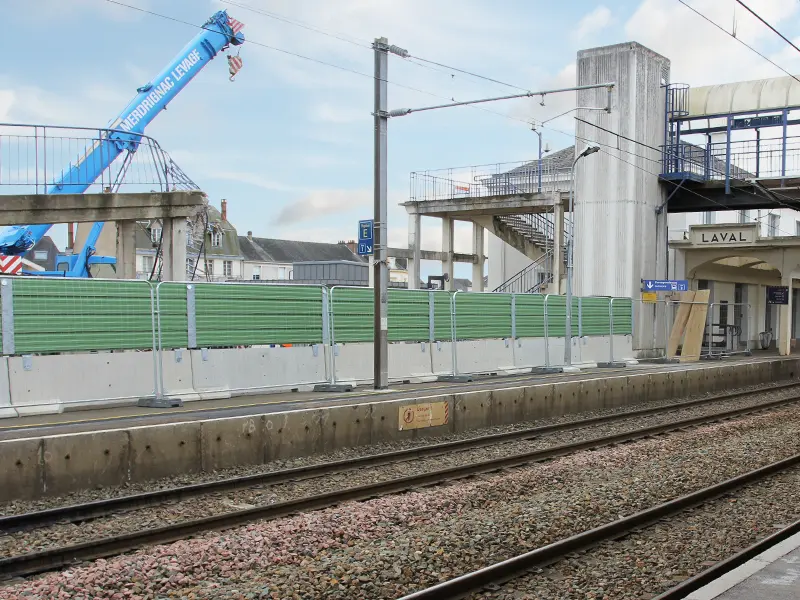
[125, 132]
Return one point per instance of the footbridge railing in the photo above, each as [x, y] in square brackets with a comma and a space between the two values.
[489, 180]
[34, 158]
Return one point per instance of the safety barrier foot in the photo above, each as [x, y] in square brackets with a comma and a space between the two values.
[455, 378]
[334, 387]
[160, 402]
[611, 365]
[546, 370]
[665, 361]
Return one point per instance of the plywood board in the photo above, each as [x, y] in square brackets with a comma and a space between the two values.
[679, 325]
[695, 326]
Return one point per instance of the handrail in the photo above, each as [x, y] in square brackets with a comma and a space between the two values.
[508, 285]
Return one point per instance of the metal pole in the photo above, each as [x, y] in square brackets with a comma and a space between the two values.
[570, 237]
[380, 270]
[539, 133]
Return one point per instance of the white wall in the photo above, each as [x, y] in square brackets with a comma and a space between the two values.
[504, 261]
[268, 270]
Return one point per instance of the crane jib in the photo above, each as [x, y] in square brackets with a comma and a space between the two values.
[158, 91]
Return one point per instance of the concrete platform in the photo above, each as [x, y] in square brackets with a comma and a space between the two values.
[772, 575]
[84, 420]
[63, 453]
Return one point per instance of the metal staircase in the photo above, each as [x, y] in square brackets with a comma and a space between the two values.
[532, 278]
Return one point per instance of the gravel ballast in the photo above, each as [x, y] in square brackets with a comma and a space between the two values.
[655, 559]
[214, 504]
[390, 546]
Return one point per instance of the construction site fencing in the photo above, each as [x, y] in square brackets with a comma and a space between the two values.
[45, 316]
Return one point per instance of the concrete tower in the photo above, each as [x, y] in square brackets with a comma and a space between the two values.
[619, 237]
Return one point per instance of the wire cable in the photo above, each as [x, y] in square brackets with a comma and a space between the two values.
[760, 18]
[743, 43]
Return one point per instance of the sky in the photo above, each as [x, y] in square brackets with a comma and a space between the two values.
[289, 142]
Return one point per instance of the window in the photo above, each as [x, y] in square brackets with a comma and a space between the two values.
[257, 272]
[708, 218]
[291, 274]
[797, 228]
[281, 272]
[774, 224]
[189, 233]
[155, 234]
[744, 216]
[227, 268]
[190, 267]
[216, 239]
[209, 267]
[42, 254]
[147, 264]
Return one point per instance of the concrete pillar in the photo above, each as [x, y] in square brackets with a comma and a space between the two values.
[618, 238]
[785, 320]
[477, 249]
[558, 244]
[448, 234]
[126, 249]
[173, 250]
[415, 245]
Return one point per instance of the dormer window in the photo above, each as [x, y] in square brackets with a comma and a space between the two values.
[216, 239]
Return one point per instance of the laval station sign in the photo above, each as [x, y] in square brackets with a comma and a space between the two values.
[723, 235]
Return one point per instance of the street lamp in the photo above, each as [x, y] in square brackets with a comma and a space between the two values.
[570, 243]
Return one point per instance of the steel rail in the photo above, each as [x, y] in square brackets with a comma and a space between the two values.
[100, 508]
[55, 558]
[507, 570]
[723, 567]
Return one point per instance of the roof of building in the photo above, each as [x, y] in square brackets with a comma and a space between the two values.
[290, 251]
[559, 160]
[230, 239]
[462, 285]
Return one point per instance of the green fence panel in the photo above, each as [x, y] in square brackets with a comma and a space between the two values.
[530, 315]
[174, 321]
[623, 316]
[67, 315]
[482, 316]
[442, 316]
[408, 312]
[256, 314]
[557, 316]
[595, 316]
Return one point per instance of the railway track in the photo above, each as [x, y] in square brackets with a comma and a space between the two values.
[54, 558]
[101, 508]
[500, 573]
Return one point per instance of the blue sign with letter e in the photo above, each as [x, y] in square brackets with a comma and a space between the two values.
[365, 237]
[665, 285]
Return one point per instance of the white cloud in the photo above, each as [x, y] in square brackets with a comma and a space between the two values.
[595, 21]
[323, 203]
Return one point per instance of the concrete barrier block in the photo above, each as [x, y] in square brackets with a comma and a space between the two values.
[178, 382]
[538, 401]
[529, 352]
[507, 406]
[637, 389]
[6, 409]
[292, 434]
[485, 356]
[617, 391]
[84, 461]
[21, 469]
[592, 395]
[346, 427]
[471, 411]
[596, 349]
[165, 450]
[555, 351]
[566, 398]
[232, 442]
[108, 379]
[442, 358]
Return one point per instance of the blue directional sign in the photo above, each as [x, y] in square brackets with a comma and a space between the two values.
[366, 237]
[665, 285]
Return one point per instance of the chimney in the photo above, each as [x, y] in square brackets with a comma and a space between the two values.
[351, 245]
[250, 235]
[224, 204]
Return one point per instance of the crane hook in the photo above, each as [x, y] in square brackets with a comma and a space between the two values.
[234, 65]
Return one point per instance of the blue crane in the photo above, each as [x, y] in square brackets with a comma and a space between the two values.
[124, 135]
